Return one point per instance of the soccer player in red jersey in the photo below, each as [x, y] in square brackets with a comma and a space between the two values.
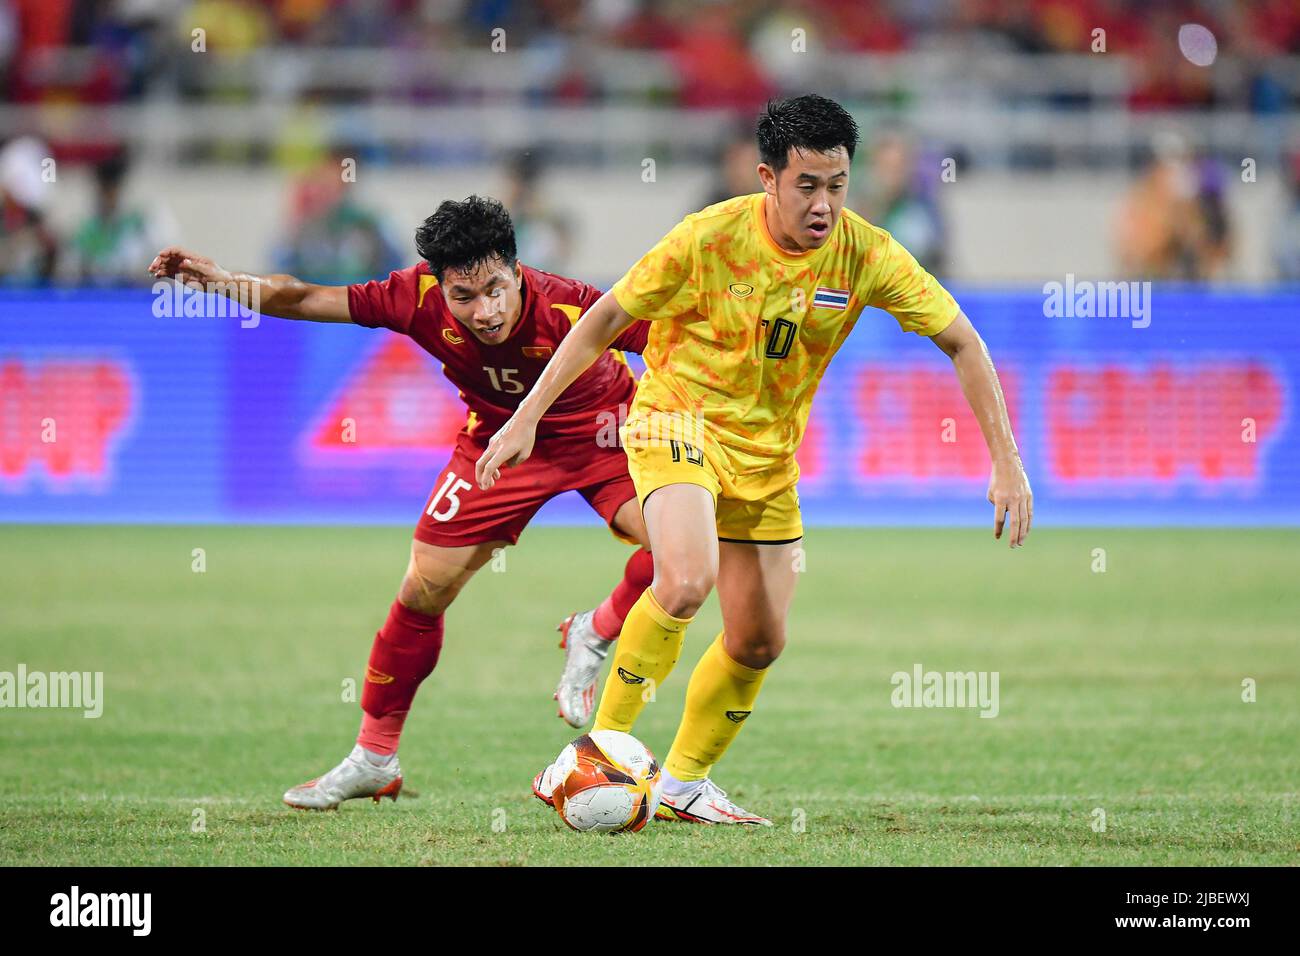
[494, 324]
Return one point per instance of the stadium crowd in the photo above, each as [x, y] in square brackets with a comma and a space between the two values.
[99, 53]
[717, 50]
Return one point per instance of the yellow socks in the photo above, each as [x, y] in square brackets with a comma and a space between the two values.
[720, 696]
[644, 656]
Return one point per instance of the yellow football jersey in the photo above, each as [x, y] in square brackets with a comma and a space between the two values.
[743, 330]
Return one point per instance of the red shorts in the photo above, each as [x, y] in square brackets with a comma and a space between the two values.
[459, 513]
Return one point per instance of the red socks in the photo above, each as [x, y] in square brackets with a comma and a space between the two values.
[404, 653]
[609, 617]
[407, 646]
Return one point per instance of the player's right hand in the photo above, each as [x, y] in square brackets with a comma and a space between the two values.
[1012, 500]
[192, 269]
[510, 446]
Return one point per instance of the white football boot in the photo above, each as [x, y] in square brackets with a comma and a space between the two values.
[705, 802]
[354, 777]
[544, 784]
[584, 653]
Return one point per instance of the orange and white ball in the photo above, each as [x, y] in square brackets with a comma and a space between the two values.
[610, 783]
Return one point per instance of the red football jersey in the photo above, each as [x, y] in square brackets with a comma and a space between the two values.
[492, 379]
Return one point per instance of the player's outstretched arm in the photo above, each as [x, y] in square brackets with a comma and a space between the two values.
[591, 335]
[282, 296]
[1009, 492]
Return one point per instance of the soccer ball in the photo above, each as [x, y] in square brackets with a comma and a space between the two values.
[609, 783]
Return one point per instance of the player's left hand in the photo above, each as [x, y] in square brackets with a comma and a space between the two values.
[1012, 500]
[510, 446]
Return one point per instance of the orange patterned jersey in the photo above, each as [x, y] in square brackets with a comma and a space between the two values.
[742, 331]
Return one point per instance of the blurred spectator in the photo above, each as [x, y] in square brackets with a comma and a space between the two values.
[1215, 248]
[647, 26]
[1173, 224]
[899, 197]
[8, 42]
[1127, 32]
[715, 66]
[1287, 235]
[780, 40]
[866, 25]
[109, 246]
[1014, 20]
[737, 169]
[28, 248]
[231, 27]
[232, 33]
[333, 240]
[1066, 25]
[543, 234]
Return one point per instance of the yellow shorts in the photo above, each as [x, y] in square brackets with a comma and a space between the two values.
[761, 507]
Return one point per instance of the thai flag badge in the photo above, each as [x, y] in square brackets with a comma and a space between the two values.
[825, 298]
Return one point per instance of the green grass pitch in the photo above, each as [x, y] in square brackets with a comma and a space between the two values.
[1119, 690]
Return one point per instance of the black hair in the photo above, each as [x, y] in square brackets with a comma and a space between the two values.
[111, 171]
[525, 165]
[808, 122]
[464, 235]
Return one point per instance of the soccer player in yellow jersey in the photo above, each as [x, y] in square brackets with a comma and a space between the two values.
[749, 299]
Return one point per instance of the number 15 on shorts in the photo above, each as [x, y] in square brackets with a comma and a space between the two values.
[449, 492]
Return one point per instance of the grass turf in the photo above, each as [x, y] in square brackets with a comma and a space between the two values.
[1119, 690]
